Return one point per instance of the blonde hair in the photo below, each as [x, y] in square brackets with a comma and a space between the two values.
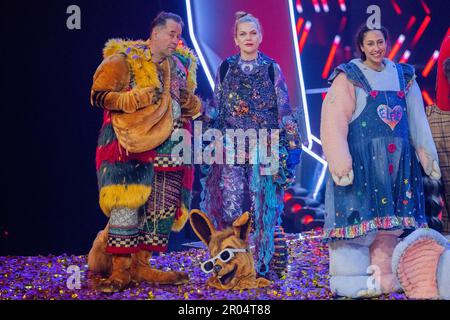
[242, 16]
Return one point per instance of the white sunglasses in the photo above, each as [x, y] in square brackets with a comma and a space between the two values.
[225, 255]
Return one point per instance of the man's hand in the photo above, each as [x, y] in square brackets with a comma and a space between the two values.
[190, 104]
[185, 96]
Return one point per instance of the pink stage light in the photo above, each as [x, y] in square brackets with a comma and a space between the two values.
[316, 6]
[325, 5]
[298, 6]
[396, 7]
[342, 24]
[342, 5]
[425, 7]
[405, 56]
[411, 22]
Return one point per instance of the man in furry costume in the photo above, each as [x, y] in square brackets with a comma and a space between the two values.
[146, 90]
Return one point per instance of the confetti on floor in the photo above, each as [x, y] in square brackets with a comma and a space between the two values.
[54, 277]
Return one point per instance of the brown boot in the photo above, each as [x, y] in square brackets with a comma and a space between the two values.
[120, 276]
[141, 271]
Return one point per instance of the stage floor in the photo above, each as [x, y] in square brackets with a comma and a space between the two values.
[47, 277]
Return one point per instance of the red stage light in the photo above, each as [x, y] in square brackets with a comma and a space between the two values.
[296, 208]
[430, 64]
[307, 219]
[398, 44]
[421, 30]
[326, 69]
[427, 98]
[440, 216]
[305, 33]
[287, 196]
[299, 25]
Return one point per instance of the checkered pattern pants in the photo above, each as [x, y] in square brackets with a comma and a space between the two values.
[440, 128]
[149, 227]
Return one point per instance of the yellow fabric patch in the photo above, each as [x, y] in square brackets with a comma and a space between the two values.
[179, 223]
[115, 196]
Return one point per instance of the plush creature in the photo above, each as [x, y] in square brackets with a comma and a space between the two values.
[231, 264]
[421, 263]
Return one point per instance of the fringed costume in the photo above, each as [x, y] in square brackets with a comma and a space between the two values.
[252, 95]
[146, 193]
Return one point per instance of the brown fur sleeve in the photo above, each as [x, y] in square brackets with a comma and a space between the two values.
[110, 87]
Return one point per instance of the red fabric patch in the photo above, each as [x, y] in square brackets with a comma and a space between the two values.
[153, 248]
[168, 169]
[113, 152]
[391, 168]
[374, 93]
[401, 94]
[188, 177]
[392, 147]
[119, 250]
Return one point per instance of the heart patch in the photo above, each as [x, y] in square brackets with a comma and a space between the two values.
[390, 116]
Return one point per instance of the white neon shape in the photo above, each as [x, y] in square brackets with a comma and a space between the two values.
[196, 46]
[310, 137]
[305, 105]
[299, 71]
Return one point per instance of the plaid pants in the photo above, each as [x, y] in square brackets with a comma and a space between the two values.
[440, 128]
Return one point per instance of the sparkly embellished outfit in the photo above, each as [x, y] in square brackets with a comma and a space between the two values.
[146, 194]
[252, 95]
[386, 127]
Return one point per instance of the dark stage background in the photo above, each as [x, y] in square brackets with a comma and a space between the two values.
[49, 198]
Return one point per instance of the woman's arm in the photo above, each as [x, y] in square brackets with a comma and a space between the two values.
[337, 111]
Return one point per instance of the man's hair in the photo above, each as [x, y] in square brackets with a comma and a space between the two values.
[162, 17]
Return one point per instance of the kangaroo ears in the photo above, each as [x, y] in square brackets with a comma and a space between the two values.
[242, 225]
[201, 225]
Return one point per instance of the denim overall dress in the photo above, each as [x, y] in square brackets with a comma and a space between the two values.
[387, 191]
